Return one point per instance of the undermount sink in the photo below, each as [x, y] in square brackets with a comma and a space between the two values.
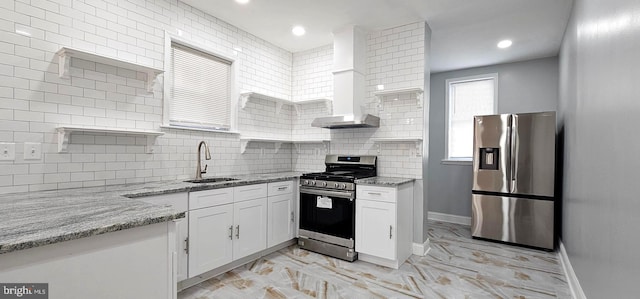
[211, 180]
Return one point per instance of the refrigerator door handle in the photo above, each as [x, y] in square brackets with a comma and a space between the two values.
[513, 151]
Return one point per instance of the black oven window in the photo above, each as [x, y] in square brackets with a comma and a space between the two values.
[339, 220]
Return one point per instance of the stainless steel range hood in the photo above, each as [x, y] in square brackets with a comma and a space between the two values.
[349, 65]
[345, 122]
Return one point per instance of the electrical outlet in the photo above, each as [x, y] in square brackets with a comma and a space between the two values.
[7, 151]
[32, 151]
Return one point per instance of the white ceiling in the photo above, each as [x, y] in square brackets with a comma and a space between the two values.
[464, 32]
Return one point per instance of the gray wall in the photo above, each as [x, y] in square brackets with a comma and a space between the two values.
[527, 86]
[599, 121]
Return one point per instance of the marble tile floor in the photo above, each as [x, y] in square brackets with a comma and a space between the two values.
[456, 266]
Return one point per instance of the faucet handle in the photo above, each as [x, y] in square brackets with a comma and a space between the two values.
[205, 169]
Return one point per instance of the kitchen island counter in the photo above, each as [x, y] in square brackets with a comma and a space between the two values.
[34, 219]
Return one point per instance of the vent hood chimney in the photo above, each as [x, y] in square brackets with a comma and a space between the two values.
[349, 66]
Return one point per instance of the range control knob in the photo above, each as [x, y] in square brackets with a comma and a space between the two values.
[306, 182]
[324, 184]
[313, 183]
[335, 185]
[343, 186]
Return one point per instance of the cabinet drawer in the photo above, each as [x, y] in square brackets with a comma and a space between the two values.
[178, 201]
[376, 193]
[210, 198]
[243, 193]
[278, 188]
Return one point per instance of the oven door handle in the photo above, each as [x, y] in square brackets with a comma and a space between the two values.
[348, 195]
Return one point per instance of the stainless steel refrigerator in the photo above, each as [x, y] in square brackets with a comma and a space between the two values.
[513, 178]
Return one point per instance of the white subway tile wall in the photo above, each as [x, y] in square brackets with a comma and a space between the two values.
[312, 74]
[34, 100]
[395, 59]
[260, 118]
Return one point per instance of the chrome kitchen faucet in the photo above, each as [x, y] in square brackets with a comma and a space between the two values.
[207, 156]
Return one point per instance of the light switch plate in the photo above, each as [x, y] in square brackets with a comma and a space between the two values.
[7, 151]
[32, 151]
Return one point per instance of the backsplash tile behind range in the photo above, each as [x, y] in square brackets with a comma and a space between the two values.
[395, 59]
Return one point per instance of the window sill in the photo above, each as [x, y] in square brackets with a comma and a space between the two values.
[199, 129]
[456, 162]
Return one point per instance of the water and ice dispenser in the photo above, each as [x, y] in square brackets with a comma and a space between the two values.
[489, 158]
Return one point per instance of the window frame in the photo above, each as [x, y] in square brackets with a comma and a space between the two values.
[168, 83]
[494, 76]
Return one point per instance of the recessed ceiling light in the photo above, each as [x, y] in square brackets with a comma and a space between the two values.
[298, 30]
[242, 1]
[505, 44]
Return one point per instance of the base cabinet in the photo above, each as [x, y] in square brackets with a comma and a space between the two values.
[384, 224]
[226, 224]
[375, 227]
[250, 219]
[178, 201]
[281, 219]
[233, 228]
[210, 238]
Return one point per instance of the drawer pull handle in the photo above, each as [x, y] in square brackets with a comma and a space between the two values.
[237, 231]
[231, 232]
[390, 231]
[375, 193]
[292, 217]
[282, 188]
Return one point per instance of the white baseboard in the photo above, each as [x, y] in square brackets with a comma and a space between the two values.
[449, 218]
[572, 279]
[421, 249]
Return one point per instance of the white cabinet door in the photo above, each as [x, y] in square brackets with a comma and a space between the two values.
[178, 201]
[250, 227]
[182, 233]
[375, 228]
[281, 219]
[210, 244]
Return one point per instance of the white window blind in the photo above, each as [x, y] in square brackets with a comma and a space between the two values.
[467, 98]
[200, 91]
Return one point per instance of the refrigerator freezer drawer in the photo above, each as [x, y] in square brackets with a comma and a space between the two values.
[516, 220]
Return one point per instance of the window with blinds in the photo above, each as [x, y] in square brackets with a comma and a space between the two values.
[200, 89]
[467, 97]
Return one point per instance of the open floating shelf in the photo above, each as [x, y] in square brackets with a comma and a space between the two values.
[327, 102]
[417, 141]
[65, 54]
[65, 132]
[246, 96]
[383, 94]
[298, 143]
[244, 141]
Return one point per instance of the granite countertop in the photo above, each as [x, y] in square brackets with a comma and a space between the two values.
[384, 181]
[33, 219]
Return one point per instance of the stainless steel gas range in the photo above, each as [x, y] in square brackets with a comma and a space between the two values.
[327, 205]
